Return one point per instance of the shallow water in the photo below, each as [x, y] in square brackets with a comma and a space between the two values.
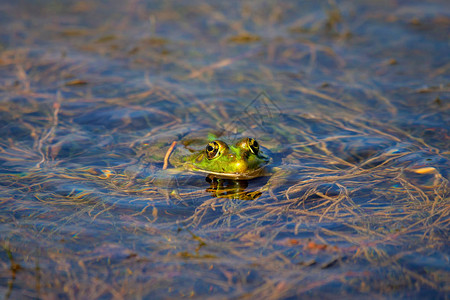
[350, 98]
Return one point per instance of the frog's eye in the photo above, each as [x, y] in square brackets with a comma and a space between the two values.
[253, 145]
[212, 150]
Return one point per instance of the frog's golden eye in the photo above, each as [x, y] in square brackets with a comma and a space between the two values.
[253, 145]
[212, 150]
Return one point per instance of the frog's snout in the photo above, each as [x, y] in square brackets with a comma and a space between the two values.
[240, 166]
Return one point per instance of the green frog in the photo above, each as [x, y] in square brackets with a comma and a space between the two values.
[227, 166]
[242, 160]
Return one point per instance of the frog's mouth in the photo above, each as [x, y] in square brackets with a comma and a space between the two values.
[236, 176]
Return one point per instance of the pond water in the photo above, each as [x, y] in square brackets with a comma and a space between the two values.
[350, 98]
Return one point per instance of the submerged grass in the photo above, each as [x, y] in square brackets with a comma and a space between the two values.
[359, 207]
[355, 219]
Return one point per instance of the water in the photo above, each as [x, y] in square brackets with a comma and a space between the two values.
[351, 98]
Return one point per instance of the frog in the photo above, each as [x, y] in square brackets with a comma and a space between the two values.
[243, 160]
[228, 166]
[234, 165]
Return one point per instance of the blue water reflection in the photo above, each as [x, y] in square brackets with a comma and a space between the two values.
[350, 98]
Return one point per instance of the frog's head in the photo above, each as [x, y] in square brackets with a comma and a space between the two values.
[243, 160]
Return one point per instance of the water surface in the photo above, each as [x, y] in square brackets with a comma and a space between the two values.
[350, 97]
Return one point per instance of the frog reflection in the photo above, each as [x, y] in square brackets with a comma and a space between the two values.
[230, 188]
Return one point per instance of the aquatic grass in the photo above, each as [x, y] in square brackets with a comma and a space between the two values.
[328, 197]
[361, 207]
